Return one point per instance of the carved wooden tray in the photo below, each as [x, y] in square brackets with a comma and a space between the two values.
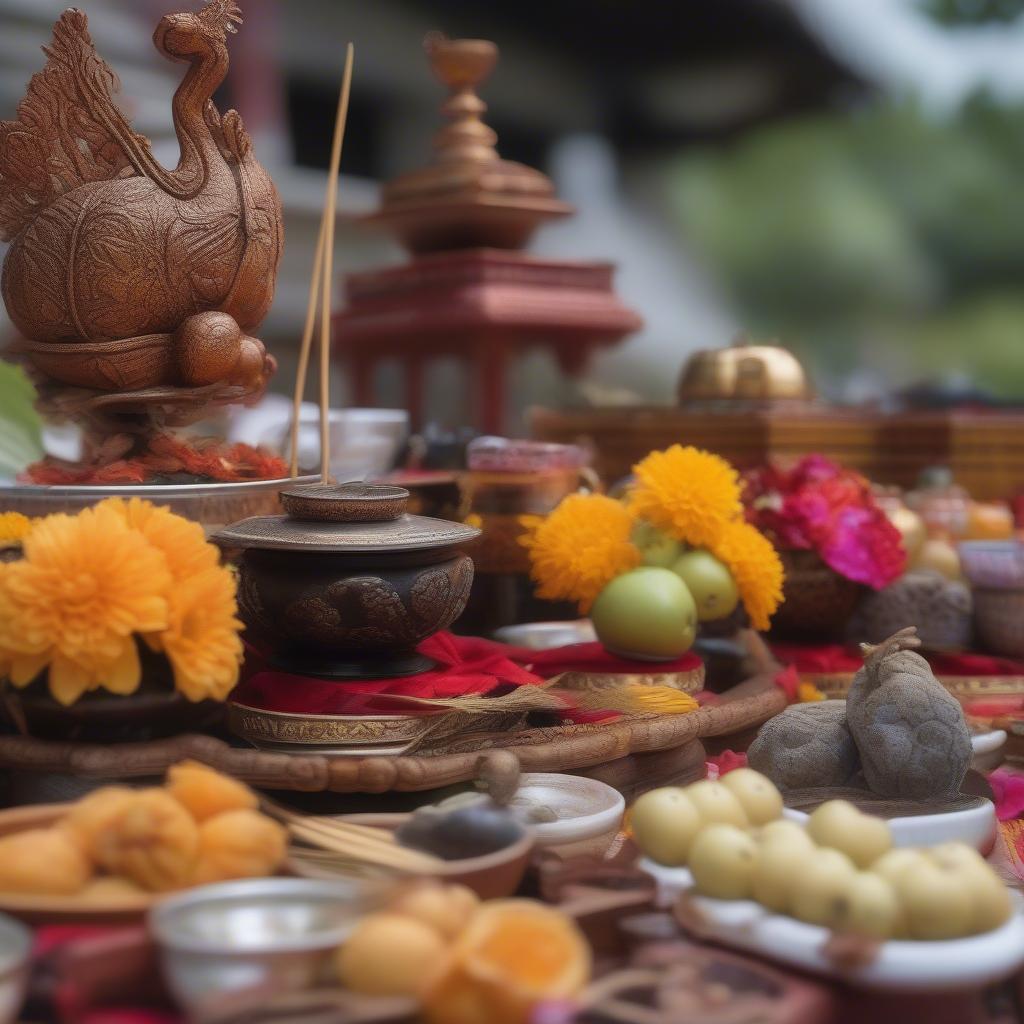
[583, 748]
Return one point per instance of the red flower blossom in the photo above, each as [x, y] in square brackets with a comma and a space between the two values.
[818, 505]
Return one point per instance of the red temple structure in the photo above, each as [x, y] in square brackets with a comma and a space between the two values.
[468, 290]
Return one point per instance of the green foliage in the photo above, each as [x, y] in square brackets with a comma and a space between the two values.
[888, 224]
[973, 12]
[20, 426]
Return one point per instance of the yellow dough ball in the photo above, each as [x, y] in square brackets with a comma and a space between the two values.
[757, 794]
[779, 869]
[204, 792]
[151, 840]
[823, 882]
[43, 861]
[868, 906]
[862, 837]
[390, 954]
[109, 889]
[990, 899]
[446, 908]
[239, 844]
[94, 815]
[664, 823]
[788, 832]
[716, 804]
[893, 865]
[722, 862]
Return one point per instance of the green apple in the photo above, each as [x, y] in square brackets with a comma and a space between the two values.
[646, 613]
[710, 583]
[656, 547]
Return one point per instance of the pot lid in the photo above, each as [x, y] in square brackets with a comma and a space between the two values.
[345, 519]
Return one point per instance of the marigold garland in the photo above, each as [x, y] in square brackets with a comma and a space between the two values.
[689, 493]
[13, 527]
[755, 566]
[580, 547]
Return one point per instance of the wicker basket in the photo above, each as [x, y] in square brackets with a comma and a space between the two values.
[818, 602]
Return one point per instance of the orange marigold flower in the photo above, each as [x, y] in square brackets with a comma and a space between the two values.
[13, 527]
[755, 566]
[202, 641]
[689, 493]
[580, 547]
[86, 583]
[182, 542]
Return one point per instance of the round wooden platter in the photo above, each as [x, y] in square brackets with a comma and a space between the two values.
[564, 748]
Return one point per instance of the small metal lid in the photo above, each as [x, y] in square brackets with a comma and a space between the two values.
[345, 519]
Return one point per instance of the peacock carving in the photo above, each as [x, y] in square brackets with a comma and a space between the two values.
[136, 283]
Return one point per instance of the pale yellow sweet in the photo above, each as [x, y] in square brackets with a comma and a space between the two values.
[151, 839]
[238, 844]
[722, 862]
[823, 880]
[664, 823]
[868, 906]
[840, 825]
[990, 899]
[205, 792]
[390, 954]
[780, 865]
[43, 861]
[937, 904]
[110, 889]
[716, 804]
[788, 832]
[446, 908]
[893, 865]
[757, 794]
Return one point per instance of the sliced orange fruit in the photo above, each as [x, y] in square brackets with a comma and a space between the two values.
[513, 955]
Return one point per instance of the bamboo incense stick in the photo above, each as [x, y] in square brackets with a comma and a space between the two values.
[307, 345]
[328, 265]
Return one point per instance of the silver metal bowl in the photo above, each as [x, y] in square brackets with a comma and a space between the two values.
[222, 945]
[15, 946]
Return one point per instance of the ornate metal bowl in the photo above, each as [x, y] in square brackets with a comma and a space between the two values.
[349, 590]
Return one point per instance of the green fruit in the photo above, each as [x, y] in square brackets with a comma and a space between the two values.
[646, 613]
[710, 583]
[656, 547]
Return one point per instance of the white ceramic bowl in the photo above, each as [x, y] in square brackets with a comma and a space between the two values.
[542, 636]
[975, 825]
[901, 966]
[987, 749]
[588, 813]
[15, 946]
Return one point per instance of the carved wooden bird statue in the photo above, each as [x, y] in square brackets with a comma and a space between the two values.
[910, 731]
[122, 274]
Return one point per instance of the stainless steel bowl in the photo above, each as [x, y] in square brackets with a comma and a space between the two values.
[15, 946]
[223, 944]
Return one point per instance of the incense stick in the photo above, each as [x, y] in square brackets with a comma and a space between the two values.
[328, 265]
[320, 289]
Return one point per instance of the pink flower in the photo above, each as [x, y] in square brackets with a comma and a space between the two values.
[1008, 789]
[727, 761]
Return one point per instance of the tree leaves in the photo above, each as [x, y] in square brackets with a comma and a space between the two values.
[20, 427]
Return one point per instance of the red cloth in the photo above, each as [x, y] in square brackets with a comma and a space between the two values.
[788, 680]
[835, 658]
[466, 666]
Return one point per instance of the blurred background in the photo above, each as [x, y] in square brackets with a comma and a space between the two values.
[845, 177]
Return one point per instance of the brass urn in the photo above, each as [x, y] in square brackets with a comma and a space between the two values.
[744, 371]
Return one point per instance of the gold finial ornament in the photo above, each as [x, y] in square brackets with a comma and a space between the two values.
[468, 197]
[744, 371]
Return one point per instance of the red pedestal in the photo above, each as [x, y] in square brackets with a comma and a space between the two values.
[482, 306]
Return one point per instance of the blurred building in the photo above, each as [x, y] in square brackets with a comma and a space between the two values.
[600, 94]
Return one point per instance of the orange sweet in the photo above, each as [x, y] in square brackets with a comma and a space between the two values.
[93, 816]
[512, 955]
[204, 792]
[239, 844]
[46, 861]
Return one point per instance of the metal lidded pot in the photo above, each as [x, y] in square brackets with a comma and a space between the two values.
[346, 584]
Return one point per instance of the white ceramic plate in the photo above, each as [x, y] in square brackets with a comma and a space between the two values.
[903, 966]
[584, 808]
[975, 826]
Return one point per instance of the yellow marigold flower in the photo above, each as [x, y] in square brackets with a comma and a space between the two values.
[756, 568]
[182, 542]
[202, 641]
[86, 583]
[581, 547]
[807, 693]
[13, 527]
[689, 493]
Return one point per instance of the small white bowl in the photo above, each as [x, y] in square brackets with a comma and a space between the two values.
[987, 749]
[588, 813]
[15, 945]
[975, 825]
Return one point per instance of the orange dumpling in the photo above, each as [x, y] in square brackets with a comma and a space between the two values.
[46, 861]
[239, 844]
[94, 815]
[204, 792]
[152, 840]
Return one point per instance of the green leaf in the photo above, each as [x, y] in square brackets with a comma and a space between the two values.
[21, 429]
